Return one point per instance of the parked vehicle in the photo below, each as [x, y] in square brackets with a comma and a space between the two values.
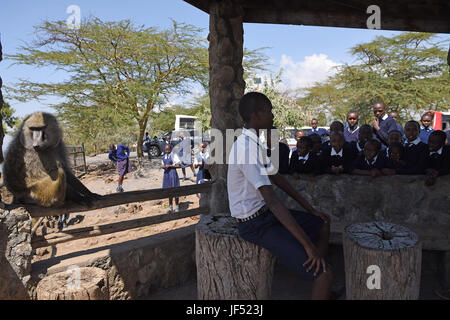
[441, 120]
[153, 147]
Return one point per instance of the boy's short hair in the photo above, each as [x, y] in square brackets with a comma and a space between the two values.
[315, 138]
[306, 140]
[439, 133]
[250, 103]
[413, 122]
[337, 133]
[111, 147]
[394, 131]
[338, 124]
[374, 142]
[352, 111]
[365, 127]
[379, 101]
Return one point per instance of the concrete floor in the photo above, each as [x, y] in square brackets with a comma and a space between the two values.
[288, 286]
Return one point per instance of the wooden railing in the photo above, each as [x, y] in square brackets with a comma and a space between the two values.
[114, 200]
[79, 164]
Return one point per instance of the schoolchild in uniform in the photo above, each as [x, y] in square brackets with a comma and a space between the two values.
[393, 136]
[382, 124]
[415, 150]
[351, 127]
[426, 128]
[365, 133]
[170, 163]
[438, 157]
[298, 239]
[304, 161]
[338, 157]
[395, 158]
[371, 161]
[335, 126]
[317, 144]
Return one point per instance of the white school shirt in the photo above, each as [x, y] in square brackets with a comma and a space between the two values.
[201, 156]
[175, 158]
[246, 173]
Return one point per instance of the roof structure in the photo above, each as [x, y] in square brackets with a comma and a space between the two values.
[402, 15]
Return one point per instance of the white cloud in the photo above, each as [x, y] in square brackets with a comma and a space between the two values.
[304, 73]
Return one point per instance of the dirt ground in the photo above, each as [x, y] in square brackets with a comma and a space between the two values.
[102, 179]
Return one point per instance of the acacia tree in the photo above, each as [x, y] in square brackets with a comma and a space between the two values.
[116, 67]
[407, 71]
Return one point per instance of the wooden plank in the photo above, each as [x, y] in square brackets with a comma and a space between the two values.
[116, 199]
[99, 230]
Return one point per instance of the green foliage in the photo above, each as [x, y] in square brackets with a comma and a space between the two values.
[9, 121]
[409, 72]
[287, 112]
[164, 120]
[118, 73]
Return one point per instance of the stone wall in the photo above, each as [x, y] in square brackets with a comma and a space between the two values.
[136, 268]
[15, 254]
[399, 199]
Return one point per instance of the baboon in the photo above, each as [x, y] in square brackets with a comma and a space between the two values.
[36, 169]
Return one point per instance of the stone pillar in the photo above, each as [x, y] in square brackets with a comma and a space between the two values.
[15, 254]
[226, 85]
[2, 134]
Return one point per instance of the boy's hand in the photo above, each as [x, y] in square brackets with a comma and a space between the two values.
[315, 260]
[323, 216]
[376, 124]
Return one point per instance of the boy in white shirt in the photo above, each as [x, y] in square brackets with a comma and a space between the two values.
[298, 239]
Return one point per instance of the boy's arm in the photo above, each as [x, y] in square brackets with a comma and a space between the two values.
[282, 183]
[287, 220]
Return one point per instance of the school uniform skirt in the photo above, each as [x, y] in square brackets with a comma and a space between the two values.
[170, 178]
[123, 167]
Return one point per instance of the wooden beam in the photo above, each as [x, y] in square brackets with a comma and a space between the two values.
[99, 230]
[116, 199]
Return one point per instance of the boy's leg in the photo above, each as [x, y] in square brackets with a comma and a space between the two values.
[266, 231]
[321, 287]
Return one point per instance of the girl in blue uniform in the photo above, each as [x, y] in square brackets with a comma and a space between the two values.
[170, 163]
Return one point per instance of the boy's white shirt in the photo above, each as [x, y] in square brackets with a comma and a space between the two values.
[201, 156]
[246, 173]
[334, 153]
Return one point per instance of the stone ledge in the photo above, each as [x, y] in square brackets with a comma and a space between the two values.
[137, 267]
[399, 199]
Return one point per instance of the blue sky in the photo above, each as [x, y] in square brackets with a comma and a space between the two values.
[306, 53]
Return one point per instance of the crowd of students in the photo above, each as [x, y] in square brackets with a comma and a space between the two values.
[382, 148]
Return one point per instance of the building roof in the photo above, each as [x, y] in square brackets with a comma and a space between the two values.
[402, 15]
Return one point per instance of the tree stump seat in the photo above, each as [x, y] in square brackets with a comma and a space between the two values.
[382, 262]
[228, 267]
[86, 283]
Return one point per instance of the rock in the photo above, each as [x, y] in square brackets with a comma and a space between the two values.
[15, 254]
[120, 210]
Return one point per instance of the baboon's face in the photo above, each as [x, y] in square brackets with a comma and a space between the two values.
[40, 132]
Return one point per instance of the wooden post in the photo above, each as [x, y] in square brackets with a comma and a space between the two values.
[85, 283]
[382, 262]
[84, 158]
[228, 267]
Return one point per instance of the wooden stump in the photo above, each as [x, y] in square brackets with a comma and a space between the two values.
[228, 267]
[382, 262]
[85, 283]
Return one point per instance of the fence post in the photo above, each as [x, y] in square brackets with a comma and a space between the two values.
[84, 158]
